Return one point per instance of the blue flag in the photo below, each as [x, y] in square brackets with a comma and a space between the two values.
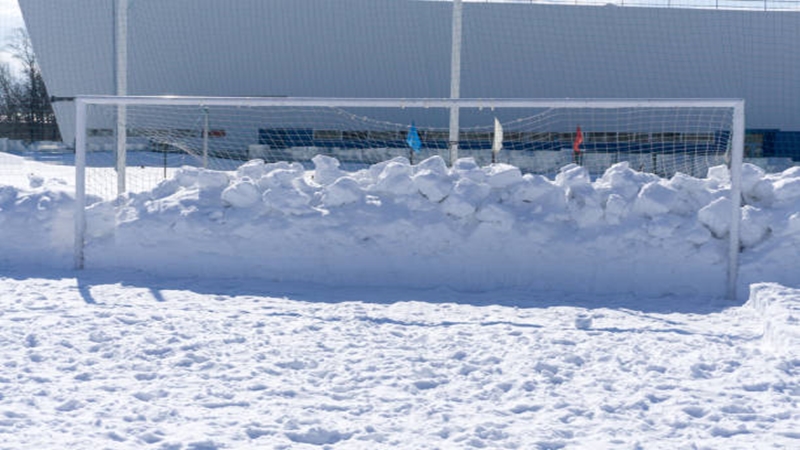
[413, 139]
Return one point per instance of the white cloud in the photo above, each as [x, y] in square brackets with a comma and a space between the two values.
[10, 19]
[10, 14]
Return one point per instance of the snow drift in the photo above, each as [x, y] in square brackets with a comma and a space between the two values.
[424, 225]
[122, 359]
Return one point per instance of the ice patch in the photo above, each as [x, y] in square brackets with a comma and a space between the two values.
[716, 217]
[242, 193]
[318, 436]
[654, 200]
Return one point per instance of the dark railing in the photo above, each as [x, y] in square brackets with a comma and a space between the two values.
[29, 132]
[744, 5]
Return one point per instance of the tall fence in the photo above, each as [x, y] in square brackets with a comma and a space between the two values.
[29, 132]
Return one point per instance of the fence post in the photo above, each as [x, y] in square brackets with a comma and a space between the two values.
[737, 158]
[205, 137]
[80, 181]
[121, 68]
[455, 80]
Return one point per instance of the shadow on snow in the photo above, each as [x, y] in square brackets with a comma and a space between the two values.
[319, 293]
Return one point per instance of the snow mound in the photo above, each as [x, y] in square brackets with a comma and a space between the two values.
[780, 311]
[426, 225]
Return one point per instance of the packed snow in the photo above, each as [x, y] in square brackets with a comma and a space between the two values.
[399, 306]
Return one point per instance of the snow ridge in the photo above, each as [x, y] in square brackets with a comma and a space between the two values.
[424, 225]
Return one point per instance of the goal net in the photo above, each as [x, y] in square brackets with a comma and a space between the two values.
[133, 143]
[162, 134]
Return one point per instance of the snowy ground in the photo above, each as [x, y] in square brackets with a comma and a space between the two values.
[95, 362]
[155, 357]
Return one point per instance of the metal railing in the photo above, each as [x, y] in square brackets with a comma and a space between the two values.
[740, 5]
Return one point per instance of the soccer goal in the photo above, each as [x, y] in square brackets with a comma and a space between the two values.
[130, 143]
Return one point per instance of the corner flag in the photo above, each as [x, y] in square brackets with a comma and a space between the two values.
[497, 145]
[413, 139]
[576, 145]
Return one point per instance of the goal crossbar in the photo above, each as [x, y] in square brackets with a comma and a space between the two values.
[406, 102]
[736, 150]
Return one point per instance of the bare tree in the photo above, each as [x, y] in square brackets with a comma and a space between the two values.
[10, 96]
[34, 106]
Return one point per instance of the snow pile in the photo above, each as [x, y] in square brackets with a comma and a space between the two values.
[127, 359]
[423, 225]
[780, 312]
[36, 223]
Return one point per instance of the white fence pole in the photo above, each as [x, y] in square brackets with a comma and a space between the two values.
[737, 158]
[455, 80]
[121, 53]
[80, 181]
[205, 137]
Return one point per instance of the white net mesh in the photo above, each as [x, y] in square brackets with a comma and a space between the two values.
[538, 139]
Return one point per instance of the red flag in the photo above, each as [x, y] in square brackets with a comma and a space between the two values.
[576, 145]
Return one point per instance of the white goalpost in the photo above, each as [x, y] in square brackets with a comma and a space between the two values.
[539, 136]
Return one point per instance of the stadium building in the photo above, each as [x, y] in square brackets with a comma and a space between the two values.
[402, 49]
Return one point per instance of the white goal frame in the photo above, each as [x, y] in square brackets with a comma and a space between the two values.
[453, 104]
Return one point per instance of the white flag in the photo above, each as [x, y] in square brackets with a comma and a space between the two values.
[497, 145]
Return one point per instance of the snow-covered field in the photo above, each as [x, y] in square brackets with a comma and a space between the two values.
[399, 307]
